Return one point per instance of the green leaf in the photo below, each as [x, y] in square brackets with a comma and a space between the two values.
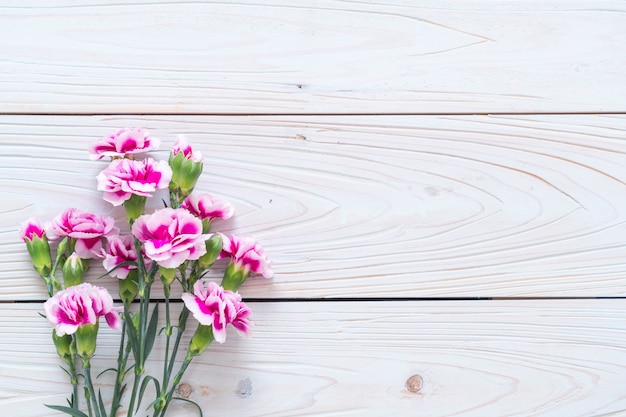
[67, 410]
[132, 334]
[151, 331]
[190, 402]
[105, 371]
[103, 411]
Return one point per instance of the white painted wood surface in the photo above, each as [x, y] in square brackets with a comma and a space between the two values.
[476, 358]
[367, 206]
[329, 126]
[285, 56]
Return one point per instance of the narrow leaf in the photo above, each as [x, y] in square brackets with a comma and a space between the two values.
[103, 410]
[151, 331]
[144, 385]
[67, 410]
[105, 371]
[191, 402]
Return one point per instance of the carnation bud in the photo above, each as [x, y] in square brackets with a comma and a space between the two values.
[33, 235]
[63, 344]
[129, 287]
[86, 336]
[186, 167]
[213, 250]
[234, 277]
[73, 270]
[200, 340]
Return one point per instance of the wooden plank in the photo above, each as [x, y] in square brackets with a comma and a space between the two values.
[325, 56]
[469, 206]
[476, 358]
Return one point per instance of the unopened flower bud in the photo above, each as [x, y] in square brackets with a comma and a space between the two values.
[200, 340]
[63, 345]
[86, 336]
[33, 235]
[73, 270]
[186, 167]
[213, 250]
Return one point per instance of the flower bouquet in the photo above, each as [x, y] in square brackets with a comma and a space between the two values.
[173, 245]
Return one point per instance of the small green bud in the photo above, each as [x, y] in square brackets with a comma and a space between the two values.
[74, 270]
[213, 250]
[185, 173]
[200, 339]
[86, 336]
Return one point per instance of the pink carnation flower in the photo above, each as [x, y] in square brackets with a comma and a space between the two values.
[246, 254]
[86, 228]
[217, 307]
[182, 145]
[124, 142]
[205, 207]
[125, 177]
[31, 228]
[79, 305]
[171, 236]
[119, 249]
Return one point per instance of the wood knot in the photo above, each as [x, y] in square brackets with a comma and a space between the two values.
[414, 384]
[184, 390]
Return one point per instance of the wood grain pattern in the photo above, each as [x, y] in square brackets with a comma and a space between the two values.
[476, 358]
[464, 206]
[325, 56]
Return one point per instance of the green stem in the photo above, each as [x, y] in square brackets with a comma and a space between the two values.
[89, 386]
[133, 396]
[175, 382]
[74, 381]
[168, 335]
[119, 377]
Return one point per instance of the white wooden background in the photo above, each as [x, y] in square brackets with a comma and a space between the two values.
[441, 186]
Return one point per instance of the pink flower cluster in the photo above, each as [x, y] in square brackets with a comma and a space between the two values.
[126, 142]
[79, 305]
[86, 229]
[214, 306]
[171, 236]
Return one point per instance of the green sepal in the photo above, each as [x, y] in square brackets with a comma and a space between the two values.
[200, 340]
[86, 336]
[234, 277]
[39, 251]
[63, 345]
[128, 287]
[213, 250]
[134, 207]
[168, 275]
